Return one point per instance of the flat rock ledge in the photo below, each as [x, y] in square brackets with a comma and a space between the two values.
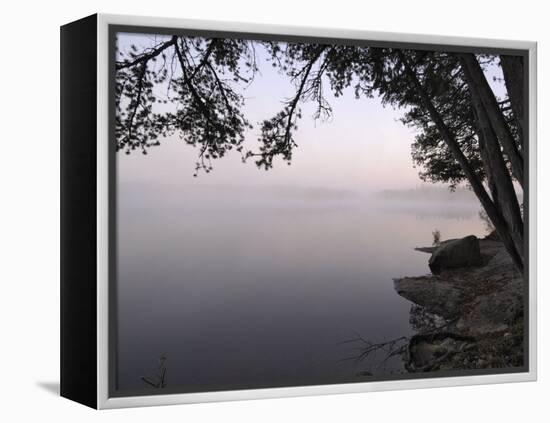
[483, 308]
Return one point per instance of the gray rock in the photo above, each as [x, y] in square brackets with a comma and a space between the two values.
[439, 296]
[491, 313]
[457, 253]
[481, 307]
[428, 352]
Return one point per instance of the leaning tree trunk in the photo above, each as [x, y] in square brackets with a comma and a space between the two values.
[512, 70]
[504, 195]
[478, 83]
[486, 166]
[492, 210]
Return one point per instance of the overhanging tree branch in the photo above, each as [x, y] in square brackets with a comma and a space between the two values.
[276, 135]
[147, 56]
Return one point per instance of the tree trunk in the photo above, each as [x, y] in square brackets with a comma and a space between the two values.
[492, 211]
[486, 166]
[504, 196]
[512, 70]
[478, 83]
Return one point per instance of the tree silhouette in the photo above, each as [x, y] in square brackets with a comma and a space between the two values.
[464, 133]
[194, 73]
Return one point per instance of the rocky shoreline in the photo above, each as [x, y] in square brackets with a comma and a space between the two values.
[472, 315]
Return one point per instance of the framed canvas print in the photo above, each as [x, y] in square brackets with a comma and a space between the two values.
[252, 211]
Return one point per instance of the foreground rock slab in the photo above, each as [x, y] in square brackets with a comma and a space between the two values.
[440, 296]
[482, 305]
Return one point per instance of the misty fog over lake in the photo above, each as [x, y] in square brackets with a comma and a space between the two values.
[248, 286]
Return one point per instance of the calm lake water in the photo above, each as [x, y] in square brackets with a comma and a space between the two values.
[244, 287]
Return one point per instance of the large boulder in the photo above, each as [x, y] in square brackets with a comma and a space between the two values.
[462, 252]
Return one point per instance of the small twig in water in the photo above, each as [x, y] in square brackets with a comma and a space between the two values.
[160, 378]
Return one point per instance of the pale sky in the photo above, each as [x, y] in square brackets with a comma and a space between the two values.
[362, 148]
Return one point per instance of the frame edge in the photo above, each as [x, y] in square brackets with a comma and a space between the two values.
[106, 402]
